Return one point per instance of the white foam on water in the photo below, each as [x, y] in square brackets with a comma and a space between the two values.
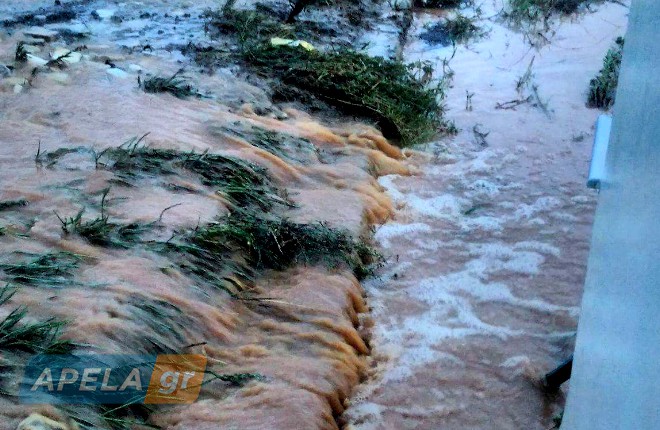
[445, 206]
[542, 204]
[387, 182]
[542, 247]
[391, 230]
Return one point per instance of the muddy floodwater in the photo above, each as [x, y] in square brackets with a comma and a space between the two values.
[485, 233]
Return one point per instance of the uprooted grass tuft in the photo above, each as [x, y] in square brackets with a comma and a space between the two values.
[276, 243]
[602, 88]
[54, 268]
[18, 335]
[175, 85]
[387, 91]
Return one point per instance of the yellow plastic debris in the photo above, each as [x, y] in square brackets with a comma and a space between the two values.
[278, 41]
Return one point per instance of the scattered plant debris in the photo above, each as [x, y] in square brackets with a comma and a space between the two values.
[175, 85]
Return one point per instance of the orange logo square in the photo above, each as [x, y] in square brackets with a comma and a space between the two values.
[176, 379]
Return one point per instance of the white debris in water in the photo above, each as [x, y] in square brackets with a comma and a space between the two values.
[40, 33]
[117, 72]
[66, 55]
[35, 61]
[135, 68]
[105, 13]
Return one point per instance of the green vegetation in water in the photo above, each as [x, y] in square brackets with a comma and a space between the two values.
[127, 416]
[101, 231]
[276, 243]
[461, 29]
[282, 145]
[530, 11]
[387, 91]
[241, 182]
[398, 97]
[38, 337]
[55, 268]
[458, 29]
[51, 158]
[602, 88]
[11, 204]
[175, 85]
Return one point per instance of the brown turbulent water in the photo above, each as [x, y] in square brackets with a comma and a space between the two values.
[487, 245]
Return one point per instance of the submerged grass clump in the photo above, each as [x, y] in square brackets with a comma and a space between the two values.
[101, 231]
[53, 268]
[276, 243]
[175, 85]
[241, 182]
[384, 90]
[18, 335]
[602, 88]
[282, 145]
[11, 204]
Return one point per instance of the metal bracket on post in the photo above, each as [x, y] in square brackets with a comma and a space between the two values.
[553, 380]
[599, 151]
